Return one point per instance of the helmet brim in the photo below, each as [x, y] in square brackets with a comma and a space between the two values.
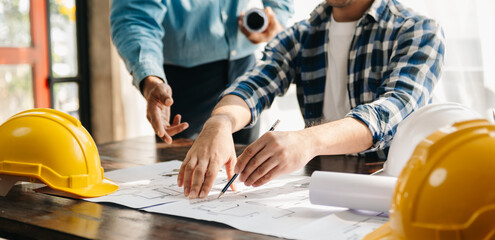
[383, 232]
[105, 187]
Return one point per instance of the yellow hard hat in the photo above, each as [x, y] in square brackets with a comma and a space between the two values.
[447, 189]
[55, 148]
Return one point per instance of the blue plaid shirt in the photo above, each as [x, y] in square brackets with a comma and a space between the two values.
[394, 62]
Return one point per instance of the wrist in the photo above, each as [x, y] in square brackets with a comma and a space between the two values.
[148, 83]
[310, 142]
[220, 121]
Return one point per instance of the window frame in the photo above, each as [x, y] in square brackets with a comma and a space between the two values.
[35, 55]
[82, 78]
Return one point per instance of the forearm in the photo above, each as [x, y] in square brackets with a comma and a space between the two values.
[137, 33]
[231, 112]
[343, 136]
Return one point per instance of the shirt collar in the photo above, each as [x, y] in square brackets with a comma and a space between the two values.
[377, 9]
[320, 13]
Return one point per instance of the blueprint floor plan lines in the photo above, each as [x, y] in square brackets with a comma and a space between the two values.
[162, 192]
[151, 188]
[279, 208]
[232, 210]
[237, 205]
[145, 186]
[228, 197]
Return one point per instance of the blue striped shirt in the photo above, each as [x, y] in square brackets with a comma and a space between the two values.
[395, 60]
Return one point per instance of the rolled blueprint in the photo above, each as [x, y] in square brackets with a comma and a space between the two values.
[350, 190]
[255, 20]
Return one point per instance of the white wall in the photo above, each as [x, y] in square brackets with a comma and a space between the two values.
[135, 120]
[468, 75]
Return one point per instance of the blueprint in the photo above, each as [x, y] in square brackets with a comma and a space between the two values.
[279, 208]
[145, 186]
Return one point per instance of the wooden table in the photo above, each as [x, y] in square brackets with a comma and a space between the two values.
[26, 214]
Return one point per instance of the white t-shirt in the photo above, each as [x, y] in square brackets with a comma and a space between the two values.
[336, 100]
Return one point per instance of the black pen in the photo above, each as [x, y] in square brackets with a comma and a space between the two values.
[235, 175]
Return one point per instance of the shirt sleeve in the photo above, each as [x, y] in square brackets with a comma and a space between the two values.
[271, 76]
[137, 32]
[284, 9]
[408, 82]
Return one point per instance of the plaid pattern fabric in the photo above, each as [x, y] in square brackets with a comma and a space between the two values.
[394, 62]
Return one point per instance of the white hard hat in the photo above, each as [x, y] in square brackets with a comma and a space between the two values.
[417, 126]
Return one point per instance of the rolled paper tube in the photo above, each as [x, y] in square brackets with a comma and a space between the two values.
[255, 20]
[354, 191]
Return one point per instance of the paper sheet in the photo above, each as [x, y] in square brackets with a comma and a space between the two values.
[350, 190]
[144, 186]
[280, 208]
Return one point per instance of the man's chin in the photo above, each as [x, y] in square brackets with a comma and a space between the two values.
[339, 3]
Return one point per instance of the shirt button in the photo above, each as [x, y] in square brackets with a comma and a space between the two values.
[233, 53]
[224, 16]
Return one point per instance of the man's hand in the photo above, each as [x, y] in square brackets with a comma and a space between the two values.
[273, 154]
[213, 148]
[158, 95]
[274, 27]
